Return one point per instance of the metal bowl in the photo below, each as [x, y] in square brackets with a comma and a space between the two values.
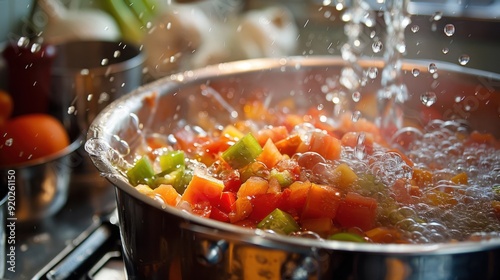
[41, 185]
[164, 242]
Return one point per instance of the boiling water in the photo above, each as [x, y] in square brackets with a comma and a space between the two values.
[439, 147]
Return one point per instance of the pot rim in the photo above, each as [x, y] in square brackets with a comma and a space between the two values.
[219, 230]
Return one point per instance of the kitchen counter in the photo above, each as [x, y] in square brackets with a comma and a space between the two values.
[40, 245]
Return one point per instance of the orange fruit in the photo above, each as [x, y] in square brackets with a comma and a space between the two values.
[29, 137]
[6, 106]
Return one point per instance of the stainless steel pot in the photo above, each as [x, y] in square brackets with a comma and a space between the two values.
[166, 243]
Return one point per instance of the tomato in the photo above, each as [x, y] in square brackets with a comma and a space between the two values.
[321, 201]
[30, 137]
[357, 211]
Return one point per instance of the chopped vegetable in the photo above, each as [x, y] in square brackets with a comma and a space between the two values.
[357, 211]
[279, 221]
[142, 172]
[347, 236]
[242, 152]
[171, 161]
[203, 188]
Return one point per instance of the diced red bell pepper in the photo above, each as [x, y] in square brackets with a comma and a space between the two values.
[357, 211]
[227, 200]
[263, 204]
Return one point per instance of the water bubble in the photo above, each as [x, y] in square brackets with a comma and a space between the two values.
[116, 54]
[445, 50]
[428, 98]
[432, 68]
[355, 116]
[415, 28]
[104, 61]
[377, 46]
[372, 72]
[356, 96]
[463, 59]
[84, 72]
[415, 72]
[449, 30]
[372, 34]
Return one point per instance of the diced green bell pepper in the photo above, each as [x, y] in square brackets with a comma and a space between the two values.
[142, 172]
[279, 221]
[171, 161]
[346, 236]
[284, 177]
[242, 152]
[179, 179]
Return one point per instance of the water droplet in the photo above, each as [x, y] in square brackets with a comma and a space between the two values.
[355, 116]
[35, 48]
[449, 30]
[116, 54]
[437, 16]
[372, 72]
[463, 59]
[9, 142]
[71, 110]
[428, 98]
[432, 68]
[377, 46]
[415, 72]
[372, 34]
[104, 61]
[445, 50]
[84, 72]
[23, 42]
[415, 28]
[356, 96]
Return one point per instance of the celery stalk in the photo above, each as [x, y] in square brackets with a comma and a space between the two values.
[171, 161]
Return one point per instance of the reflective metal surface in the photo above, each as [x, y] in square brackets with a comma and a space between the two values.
[164, 242]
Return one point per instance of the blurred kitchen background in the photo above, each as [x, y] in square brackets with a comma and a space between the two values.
[317, 30]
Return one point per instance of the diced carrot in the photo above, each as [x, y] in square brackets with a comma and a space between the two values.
[415, 191]
[275, 133]
[289, 145]
[318, 225]
[254, 185]
[326, 145]
[496, 208]
[203, 188]
[292, 120]
[460, 179]
[357, 211]
[242, 209]
[422, 178]
[321, 201]
[298, 195]
[270, 155]
[350, 139]
[440, 198]
[383, 235]
[168, 194]
[343, 176]
[481, 138]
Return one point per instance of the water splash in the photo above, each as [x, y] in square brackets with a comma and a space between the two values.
[393, 93]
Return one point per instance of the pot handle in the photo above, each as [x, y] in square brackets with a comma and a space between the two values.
[300, 262]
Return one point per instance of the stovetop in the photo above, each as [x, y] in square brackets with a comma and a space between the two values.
[81, 241]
